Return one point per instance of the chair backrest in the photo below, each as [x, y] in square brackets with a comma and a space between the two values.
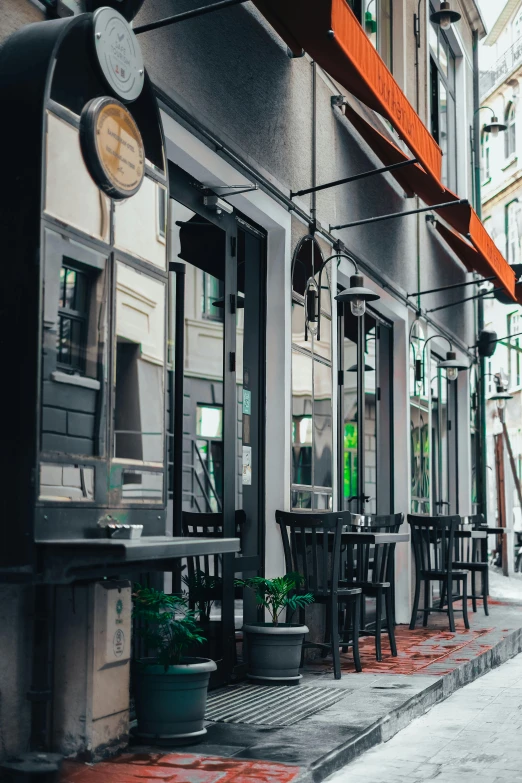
[312, 546]
[433, 541]
[372, 562]
[207, 525]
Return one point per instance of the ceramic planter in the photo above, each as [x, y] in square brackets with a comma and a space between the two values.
[170, 704]
[274, 651]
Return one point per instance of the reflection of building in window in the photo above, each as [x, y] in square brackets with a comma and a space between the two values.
[312, 435]
[72, 319]
[486, 168]
[213, 291]
[139, 378]
[208, 460]
[442, 101]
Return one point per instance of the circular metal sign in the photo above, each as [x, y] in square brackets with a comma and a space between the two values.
[112, 147]
[118, 53]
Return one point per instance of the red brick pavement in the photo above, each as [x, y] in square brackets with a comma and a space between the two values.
[431, 650]
[178, 768]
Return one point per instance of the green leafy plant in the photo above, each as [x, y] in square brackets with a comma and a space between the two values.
[203, 590]
[168, 625]
[278, 594]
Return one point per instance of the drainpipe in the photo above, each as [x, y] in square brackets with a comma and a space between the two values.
[482, 435]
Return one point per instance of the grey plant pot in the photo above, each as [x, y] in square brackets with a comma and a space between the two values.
[171, 704]
[274, 651]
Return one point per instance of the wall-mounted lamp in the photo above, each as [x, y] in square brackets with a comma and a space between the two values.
[451, 364]
[370, 24]
[493, 126]
[445, 16]
[357, 294]
[367, 368]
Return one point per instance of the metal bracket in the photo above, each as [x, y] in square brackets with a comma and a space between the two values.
[354, 178]
[400, 214]
[145, 28]
[455, 285]
[236, 188]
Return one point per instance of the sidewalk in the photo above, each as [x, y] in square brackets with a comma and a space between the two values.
[432, 663]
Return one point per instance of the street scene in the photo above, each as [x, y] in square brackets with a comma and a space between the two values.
[261, 316]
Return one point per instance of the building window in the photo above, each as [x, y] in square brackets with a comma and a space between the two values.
[375, 17]
[486, 169]
[510, 134]
[442, 102]
[514, 323]
[513, 231]
[312, 389]
[72, 319]
[212, 300]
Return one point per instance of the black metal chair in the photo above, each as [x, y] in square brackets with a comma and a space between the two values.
[312, 546]
[372, 568]
[204, 574]
[472, 554]
[433, 546]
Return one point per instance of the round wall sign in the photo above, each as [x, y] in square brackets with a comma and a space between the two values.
[118, 53]
[112, 147]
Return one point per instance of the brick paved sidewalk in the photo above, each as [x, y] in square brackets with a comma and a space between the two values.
[432, 663]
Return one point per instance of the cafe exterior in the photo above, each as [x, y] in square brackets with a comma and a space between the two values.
[269, 303]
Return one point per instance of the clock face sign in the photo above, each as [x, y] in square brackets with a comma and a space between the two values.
[119, 54]
[112, 147]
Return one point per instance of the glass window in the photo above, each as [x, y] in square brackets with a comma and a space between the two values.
[212, 297]
[510, 134]
[72, 320]
[375, 17]
[312, 413]
[513, 227]
[515, 350]
[209, 422]
[442, 103]
[486, 169]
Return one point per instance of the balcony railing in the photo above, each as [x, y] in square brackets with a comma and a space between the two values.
[510, 60]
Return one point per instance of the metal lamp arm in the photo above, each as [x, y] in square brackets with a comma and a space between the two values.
[321, 268]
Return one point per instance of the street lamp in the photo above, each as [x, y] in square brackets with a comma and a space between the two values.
[357, 294]
[445, 16]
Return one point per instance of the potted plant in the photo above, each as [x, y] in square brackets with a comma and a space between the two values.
[274, 648]
[170, 689]
[203, 590]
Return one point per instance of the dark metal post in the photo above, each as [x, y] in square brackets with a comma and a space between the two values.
[177, 407]
[482, 479]
[360, 414]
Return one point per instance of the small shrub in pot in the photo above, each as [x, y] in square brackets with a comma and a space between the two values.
[170, 689]
[274, 649]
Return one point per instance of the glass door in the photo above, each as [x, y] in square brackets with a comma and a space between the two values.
[216, 409]
[365, 441]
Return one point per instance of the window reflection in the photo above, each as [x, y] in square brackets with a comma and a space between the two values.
[139, 376]
[66, 482]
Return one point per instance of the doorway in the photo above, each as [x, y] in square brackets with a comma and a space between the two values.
[219, 470]
[365, 442]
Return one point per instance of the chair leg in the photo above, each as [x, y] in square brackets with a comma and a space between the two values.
[355, 638]
[348, 616]
[451, 617]
[390, 622]
[334, 636]
[474, 590]
[465, 602]
[426, 610]
[415, 603]
[378, 624]
[485, 589]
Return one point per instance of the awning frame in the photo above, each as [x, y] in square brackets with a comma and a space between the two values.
[354, 177]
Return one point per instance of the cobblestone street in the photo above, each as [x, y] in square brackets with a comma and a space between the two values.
[472, 736]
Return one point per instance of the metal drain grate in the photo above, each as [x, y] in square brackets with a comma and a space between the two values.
[269, 706]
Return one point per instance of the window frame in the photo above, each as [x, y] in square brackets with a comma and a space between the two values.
[448, 80]
[76, 316]
[361, 8]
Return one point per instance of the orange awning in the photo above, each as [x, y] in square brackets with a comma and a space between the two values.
[329, 31]
[486, 258]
